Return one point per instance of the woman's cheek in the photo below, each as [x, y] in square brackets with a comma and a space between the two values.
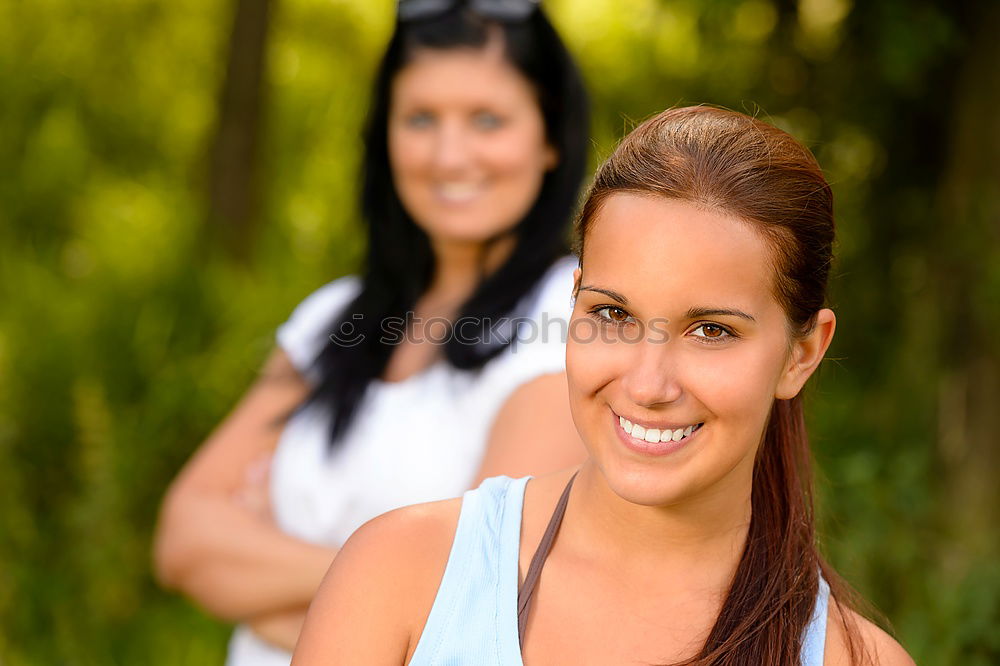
[589, 365]
[579, 367]
[738, 382]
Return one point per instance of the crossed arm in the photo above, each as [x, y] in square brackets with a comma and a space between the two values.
[217, 543]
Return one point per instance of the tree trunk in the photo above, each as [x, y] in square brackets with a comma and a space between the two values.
[233, 196]
[969, 404]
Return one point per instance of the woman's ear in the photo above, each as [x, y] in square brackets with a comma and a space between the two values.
[551, 158]
[577, 274]
[806, 354]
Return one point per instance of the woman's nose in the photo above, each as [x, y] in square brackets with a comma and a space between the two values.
[652, 377]
[452, 148]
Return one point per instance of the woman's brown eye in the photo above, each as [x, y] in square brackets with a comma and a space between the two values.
[613, 314]
[712, 331]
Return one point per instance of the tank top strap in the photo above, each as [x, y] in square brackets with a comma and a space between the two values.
[527, 588]
[814, 639]
[474, 616]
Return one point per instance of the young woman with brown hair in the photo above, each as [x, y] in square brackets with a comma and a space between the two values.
[687, 537]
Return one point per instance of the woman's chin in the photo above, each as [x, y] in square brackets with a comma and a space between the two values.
[646, 487]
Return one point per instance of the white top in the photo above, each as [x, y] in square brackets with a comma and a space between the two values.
[418, 440]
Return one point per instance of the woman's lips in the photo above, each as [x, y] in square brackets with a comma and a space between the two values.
[655, 448]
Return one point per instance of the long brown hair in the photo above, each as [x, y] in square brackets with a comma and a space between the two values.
[730, 162]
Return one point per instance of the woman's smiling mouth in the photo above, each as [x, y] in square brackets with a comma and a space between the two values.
[654, 439]
[458, 193]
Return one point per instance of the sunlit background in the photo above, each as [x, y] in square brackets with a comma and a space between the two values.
[147, 255]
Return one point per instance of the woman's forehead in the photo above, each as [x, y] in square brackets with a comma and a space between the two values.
[461, 74]
[652, 248]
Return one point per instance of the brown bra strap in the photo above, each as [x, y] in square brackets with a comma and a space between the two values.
[535, 569]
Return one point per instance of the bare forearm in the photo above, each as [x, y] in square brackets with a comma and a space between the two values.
[280, 629]
[239, 591]
[234, 564]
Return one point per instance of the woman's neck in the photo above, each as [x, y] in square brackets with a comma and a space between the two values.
[696, 542]
[460, 267]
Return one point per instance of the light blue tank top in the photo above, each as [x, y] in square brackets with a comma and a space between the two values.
[474, 616]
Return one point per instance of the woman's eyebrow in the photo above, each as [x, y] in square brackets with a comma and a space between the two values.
[692, 313]
[607, 292]
[697, 313]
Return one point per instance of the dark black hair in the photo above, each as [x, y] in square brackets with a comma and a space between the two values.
[400, 262]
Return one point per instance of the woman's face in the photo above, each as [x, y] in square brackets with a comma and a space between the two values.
[676, 330]
[467, 143]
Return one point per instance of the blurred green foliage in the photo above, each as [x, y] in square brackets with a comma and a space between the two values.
[124, 339]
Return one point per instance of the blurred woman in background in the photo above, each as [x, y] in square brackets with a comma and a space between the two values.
[438, 366]
[687, 537]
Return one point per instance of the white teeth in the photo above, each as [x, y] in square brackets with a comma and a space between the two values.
[458, 192]
[653, 435]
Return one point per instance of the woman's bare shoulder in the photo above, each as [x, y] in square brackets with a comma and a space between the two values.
[881, 648]
[434, 521]
[375, 599]
[412, 543]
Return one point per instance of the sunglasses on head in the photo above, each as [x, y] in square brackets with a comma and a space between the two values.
[501, 10]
